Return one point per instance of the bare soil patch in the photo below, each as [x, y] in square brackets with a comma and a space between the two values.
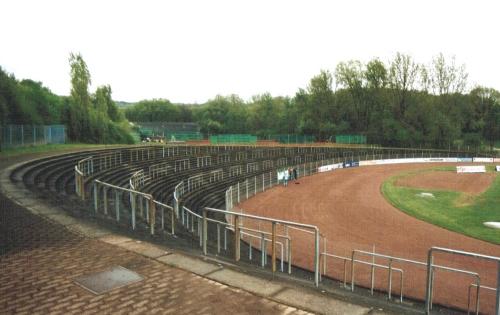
[472, 184]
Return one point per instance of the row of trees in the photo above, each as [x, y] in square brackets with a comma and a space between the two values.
[91, 118]
[399, 103]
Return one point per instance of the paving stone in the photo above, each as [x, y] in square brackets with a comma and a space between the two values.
[145, 249]
[115, 239]
[251, 284]
[63, 219]
[191, 264]
[89, 229]
[319, 304]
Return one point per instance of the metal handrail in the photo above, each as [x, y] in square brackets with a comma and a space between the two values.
[469, 292]
[416, 262]
[147, 196]
[390, 268]
[274, 223]
[430, 265]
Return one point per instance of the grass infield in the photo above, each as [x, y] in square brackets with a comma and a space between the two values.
[447, 208]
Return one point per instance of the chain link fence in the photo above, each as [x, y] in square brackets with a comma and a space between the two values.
[25, 135]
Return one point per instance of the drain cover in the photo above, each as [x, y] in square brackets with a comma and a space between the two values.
[104, 281]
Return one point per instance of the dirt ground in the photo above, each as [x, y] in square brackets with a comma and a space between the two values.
[470, 183]
[351, 213]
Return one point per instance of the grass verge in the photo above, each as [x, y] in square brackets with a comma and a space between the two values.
[444, 209]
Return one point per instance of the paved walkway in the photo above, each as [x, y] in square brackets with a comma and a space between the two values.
[42, 251]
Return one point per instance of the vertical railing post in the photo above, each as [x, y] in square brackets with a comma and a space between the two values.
[389, 291]
[263, 182]
[82, 186]
[497, 302]
[152, 214]
[238, 192]
[117, 205]
[428, 285]
[237, 238]
[105, 199]
[273, 247]
[96, 197]
[205, 231]
[172, 222]
[263, 249]
[132, 205]
[316, 257]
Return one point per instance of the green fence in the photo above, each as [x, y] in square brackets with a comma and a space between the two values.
[24, 135]
[350, 139]
[244, 139]
[292, 138]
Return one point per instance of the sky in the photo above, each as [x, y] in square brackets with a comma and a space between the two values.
[192, 50]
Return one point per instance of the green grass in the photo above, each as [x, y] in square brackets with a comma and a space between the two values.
[14, 152]
[445, 211]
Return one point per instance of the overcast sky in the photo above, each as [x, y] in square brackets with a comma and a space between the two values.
[190, 51]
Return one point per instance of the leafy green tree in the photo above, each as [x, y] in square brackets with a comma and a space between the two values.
[403, 74]
[80, 81]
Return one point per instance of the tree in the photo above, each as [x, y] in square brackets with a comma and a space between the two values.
[376, 74]
[104, 103]
[447, 78]
[80, 81]
[319, 105]
[402, 77]
[351, 76]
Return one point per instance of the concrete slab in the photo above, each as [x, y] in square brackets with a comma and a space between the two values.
[115, 239]
[237, 279]
[144, 249]
[63, 219]
[89, 230]
[317, 303]
[190, 264]
[45, 210]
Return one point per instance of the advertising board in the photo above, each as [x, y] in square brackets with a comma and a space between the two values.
[471, 169]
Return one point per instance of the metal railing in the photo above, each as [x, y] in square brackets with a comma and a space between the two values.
[392, 259]
[274, 235]
[430, 273]
[141, 205]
